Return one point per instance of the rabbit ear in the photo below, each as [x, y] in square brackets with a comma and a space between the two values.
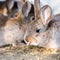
[37, 9]
[26, 8]
[20, 4]
[46, 13]
[9, 4]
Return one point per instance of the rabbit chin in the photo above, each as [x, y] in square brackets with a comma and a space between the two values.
[32, 43]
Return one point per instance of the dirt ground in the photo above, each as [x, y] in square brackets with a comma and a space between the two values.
[28, 53]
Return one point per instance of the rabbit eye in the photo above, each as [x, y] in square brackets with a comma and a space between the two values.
[38, 30]
[41, 30]
[15, 15]
[32, 18]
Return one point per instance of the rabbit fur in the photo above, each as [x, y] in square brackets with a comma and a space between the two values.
[48, 32]
[12, 30]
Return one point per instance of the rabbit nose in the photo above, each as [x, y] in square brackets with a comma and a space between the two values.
[38, 30]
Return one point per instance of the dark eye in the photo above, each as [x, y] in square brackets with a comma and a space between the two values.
[32, 18]
[15, 15]
[38, 30]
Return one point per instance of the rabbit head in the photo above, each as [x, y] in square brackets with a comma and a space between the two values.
[23, 7]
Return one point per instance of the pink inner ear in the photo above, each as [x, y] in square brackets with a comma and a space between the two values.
[46, 15]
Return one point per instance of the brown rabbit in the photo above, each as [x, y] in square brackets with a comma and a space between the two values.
[12, 30]
[48, 32]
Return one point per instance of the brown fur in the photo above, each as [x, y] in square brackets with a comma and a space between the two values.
[3, 9]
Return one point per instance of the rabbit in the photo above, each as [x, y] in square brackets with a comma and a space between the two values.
[12, 30]
[48, 33]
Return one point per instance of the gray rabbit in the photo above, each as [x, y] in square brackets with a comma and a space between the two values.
[48, 28]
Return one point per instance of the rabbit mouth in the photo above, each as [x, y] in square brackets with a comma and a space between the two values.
[31, 41]
[35, 44]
